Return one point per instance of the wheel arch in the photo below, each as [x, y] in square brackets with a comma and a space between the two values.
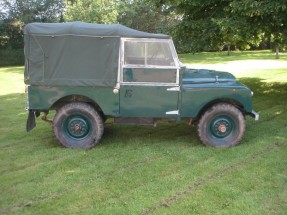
[233, 102]
[77, 98]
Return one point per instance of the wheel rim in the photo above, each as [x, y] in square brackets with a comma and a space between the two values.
[77, 126]
[221, 127]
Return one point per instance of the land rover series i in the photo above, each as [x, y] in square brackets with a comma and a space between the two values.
[88, 73]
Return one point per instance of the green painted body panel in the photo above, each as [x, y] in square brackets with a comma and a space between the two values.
[148, 101]
[199, 87]
[43, 97]
[196, 96]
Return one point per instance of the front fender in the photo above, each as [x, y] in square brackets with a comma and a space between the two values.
[196, 97]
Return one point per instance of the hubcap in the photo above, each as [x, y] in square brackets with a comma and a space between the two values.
[221, 127]
[77, 126]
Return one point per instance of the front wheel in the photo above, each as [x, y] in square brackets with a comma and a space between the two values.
[222, 125]
[78, 125]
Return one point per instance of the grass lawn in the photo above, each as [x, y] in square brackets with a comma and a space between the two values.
[146, 170]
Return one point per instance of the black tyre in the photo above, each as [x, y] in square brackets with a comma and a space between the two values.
[222, 125]
[78, 125]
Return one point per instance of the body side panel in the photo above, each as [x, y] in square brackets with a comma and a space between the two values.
[43, 97]
[148, 101]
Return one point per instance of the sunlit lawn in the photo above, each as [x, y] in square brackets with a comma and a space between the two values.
[242, 64]
[146, 170]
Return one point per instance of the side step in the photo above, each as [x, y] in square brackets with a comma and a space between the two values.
[134, 121]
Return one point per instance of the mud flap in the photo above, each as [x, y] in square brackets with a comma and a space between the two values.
[31, 121]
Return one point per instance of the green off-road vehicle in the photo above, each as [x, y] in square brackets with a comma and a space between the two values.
[89, 73]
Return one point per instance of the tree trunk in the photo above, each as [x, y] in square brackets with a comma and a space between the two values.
[277, 52]
[228, 50]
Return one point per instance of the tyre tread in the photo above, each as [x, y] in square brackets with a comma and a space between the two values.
[82, 108]
[224, 108]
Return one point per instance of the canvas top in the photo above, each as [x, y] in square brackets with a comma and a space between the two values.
[88, 29]
[75, 53]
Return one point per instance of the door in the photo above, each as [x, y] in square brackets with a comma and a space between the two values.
[149, 79]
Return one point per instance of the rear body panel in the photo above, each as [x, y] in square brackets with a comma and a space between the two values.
[44, 98]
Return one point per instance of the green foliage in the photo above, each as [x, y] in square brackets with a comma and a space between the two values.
[146, 170]
[144, 15]
[269, 16]
[210, 25]
[11, 34]
[11, 57]
[15, 14]
[33, 11]
[197, 25]
[140, 14]
[92, 11]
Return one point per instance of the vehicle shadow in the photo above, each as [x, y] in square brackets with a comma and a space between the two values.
[266, 94]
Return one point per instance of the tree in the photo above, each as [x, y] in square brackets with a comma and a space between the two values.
[145, 15]
[211, 24]
[268, 15]
[205, 25]
[33, 10]
[14, 14]
[11, 34]
[140, 14]
[92, 11]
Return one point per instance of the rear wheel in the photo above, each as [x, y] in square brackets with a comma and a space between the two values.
[78, 125]
[222, 125]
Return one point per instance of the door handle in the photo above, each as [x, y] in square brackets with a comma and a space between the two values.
[128, 93]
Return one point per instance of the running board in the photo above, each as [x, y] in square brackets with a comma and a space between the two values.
[134, 121]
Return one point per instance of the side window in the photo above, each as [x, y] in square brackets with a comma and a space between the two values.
[159, 54]
[134, 53]
[148, 62]
[148, 54]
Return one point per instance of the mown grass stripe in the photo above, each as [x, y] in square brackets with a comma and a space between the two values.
[210, 178]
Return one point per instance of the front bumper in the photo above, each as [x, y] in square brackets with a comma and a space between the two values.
[255, 115]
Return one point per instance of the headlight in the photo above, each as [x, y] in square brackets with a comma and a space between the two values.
[252, 93]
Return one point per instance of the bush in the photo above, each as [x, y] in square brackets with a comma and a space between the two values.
[11, 57]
